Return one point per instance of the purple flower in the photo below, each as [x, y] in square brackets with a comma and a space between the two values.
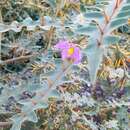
[69, 51]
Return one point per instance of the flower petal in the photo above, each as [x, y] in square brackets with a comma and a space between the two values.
[64, 54]
[62, 44]
[76, 55]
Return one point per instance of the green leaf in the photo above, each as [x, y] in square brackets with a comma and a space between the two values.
[112, 124]
[82, 8]
[15, 26]
[27, 107]
[116, 23]
[109, 39]
[93, 15]
[86, 30]
[94, 56]
[40, 105]
[92, 124]
[17, 122]
[125, 14]
[31, 116]
[54, 94]
[27, 22]
[125, 7]
[33, 87]
[3, 28]
[52, 3]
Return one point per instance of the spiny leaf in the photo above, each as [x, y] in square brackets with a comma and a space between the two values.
[94, 56]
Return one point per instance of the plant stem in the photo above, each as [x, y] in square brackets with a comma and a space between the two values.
[17, 59]
[58, 77]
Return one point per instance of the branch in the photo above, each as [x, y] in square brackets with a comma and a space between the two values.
[118, 3]
[17, 59]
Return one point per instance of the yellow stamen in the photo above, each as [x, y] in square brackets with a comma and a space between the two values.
[70, 51]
